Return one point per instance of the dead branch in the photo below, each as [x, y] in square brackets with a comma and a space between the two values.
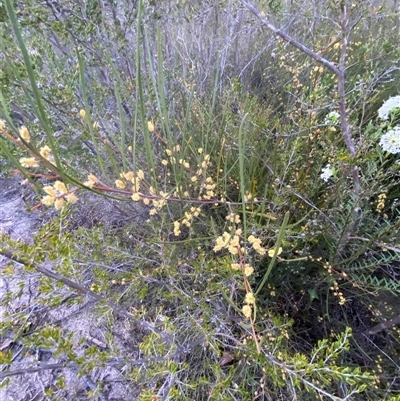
[382, 326]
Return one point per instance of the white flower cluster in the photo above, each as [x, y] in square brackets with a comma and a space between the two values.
[389, 105]
[390, 141]
[332, 118]
[327, 172]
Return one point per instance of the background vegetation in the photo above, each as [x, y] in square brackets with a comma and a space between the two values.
[212, 193]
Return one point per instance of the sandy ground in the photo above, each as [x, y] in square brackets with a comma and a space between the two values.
[78, 320]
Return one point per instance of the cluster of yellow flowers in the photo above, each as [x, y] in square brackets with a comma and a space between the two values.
[208, 187]
[159, 203]
[119, 282]
[179, 190]
[24, 134]
[91, 181]
[338, 293]
[233, 218]
[229, 242]
[33, 162]
[249, 197]
[95, 288]
[247, 269]
[381, 202]
[28, 162]
[249, 300]
[135, 179]
[174, 158]
[198, 174]
[232, 242]
[132, 178]
[256, 243]
[57, 195]
[187, 220]
[45, 152]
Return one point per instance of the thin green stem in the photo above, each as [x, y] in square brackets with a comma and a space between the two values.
[279, 240]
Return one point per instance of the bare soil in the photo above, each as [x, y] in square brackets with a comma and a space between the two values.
[78, 320]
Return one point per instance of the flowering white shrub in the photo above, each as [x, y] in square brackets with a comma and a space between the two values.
[390, 141]
[332, 118]
[389, 105]
[327, 172]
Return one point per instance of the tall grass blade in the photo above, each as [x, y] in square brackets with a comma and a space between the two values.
[278, 243]
[36, 102]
